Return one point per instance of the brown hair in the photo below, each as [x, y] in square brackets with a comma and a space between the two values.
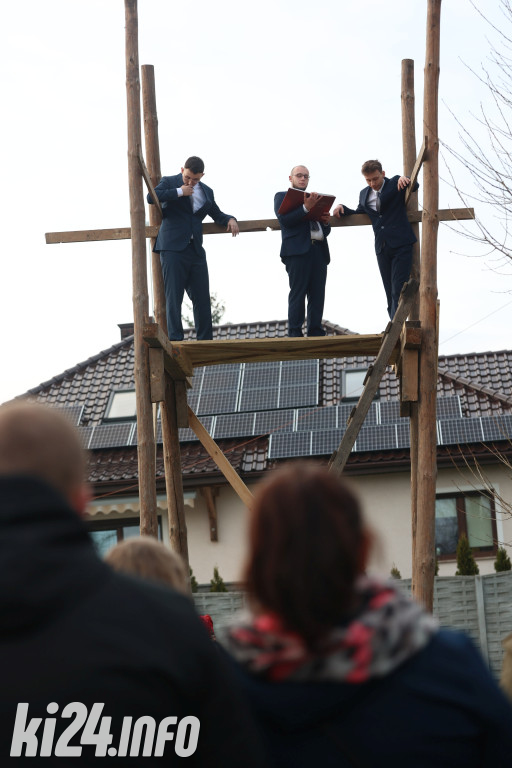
[306, 537]
[39, 441]
[371, 166]
[150, 559]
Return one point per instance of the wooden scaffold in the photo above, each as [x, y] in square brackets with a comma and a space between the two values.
[163, 369]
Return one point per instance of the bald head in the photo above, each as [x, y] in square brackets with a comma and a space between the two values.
[39, 441]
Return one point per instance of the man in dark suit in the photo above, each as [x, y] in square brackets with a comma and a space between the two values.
[305, 253]
[185, 202]
[384, 202]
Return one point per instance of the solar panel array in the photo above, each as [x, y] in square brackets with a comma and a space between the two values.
[280, 400]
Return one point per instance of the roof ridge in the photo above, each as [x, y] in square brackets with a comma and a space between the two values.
[487, 391]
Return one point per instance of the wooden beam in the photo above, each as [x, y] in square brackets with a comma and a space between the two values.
[389, 345]
[220, 460]
[123, 233]
[425, 556]
[147, 179]
[156, 374]
[155, 337]
[416, 169]
[209, 493]
[145, 434]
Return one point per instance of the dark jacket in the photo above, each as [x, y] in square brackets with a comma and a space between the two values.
[72, 630]
[296, 231]
[391, 225]
[179, 222]
[440, 709]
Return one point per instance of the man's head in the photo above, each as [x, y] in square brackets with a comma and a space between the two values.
[193, 171]
[373, 173]
[39, 441]
[299, 177]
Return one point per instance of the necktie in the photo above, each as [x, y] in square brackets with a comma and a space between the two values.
[377, 202]
[315, 226]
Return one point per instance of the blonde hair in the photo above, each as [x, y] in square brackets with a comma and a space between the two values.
[150, 559]
[39, 441]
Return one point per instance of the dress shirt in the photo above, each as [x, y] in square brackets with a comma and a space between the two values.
[372, 197]
[198, 197]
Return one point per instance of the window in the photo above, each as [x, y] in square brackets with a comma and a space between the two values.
[352, 383]
[470, 513]
[121, 405]
[107, 533]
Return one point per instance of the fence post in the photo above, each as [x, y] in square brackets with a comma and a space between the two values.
[480, 612]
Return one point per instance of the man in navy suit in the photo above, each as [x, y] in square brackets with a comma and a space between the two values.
[305, 253]
[384, 202]
[185, 202]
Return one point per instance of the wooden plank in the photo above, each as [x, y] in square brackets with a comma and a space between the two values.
[156, 374]
[388, 347]
[147, 179]
[124, 233]
[180, 389]
[220, 460]
[221, 352]
[409, 381]
[416, 169]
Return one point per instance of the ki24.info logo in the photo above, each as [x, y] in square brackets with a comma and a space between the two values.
[36, 736]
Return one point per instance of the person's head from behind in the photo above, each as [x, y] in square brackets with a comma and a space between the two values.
[307, 546]
[193, 170]
[149, 559]
[40, 442]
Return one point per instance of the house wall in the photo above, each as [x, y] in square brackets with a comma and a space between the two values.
[386, 504]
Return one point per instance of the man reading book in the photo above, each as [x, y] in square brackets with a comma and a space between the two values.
[305, 254]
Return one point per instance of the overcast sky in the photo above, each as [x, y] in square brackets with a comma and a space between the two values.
[252, 89]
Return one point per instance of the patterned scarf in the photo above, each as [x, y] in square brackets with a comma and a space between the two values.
[388, 629]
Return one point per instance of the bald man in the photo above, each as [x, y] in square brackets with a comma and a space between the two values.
[305, 254]
[119, 663]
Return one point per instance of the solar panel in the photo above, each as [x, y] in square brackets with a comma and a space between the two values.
[187, 435]
[270, 421]
[345, 409]
[460, 431]
[259, 399]
[289, 444]
[295, 372]
[390, 412]
[403, 435]
[221, 377]
[73, 413]
[448, 408]
[266, 375]
[234, 425]
[497, 427]
[305, 394]
[326, 441]
[84, 434]
[221, 401]
[379, 438]
[317, 418]
[111, 435]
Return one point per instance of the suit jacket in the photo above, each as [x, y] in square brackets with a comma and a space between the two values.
[391, 225]
[179, 222]
[296, 231]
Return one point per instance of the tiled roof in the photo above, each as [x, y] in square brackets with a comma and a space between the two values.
[483, 381]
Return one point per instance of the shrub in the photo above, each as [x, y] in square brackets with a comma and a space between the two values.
[502, 562]
[466, 565]
[217, 583]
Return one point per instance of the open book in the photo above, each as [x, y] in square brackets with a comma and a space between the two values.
[295, 197]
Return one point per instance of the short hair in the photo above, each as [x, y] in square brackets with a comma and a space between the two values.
[39, 441]
[299, 165]
[305, 536]
[194, 164]
[148, 558]
[370, 166]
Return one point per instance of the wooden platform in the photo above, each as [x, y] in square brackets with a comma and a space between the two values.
[183, 356]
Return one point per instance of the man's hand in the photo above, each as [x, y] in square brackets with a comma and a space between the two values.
[338, 211]
[233, 227]
[324, 218]
[311, 200]
[403, 182]
[187, 190]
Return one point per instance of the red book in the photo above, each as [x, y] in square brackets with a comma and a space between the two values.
[295, 197]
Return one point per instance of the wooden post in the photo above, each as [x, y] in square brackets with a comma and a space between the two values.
[424, 564]
[168, 408]
[409, 158]
[145, 434]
